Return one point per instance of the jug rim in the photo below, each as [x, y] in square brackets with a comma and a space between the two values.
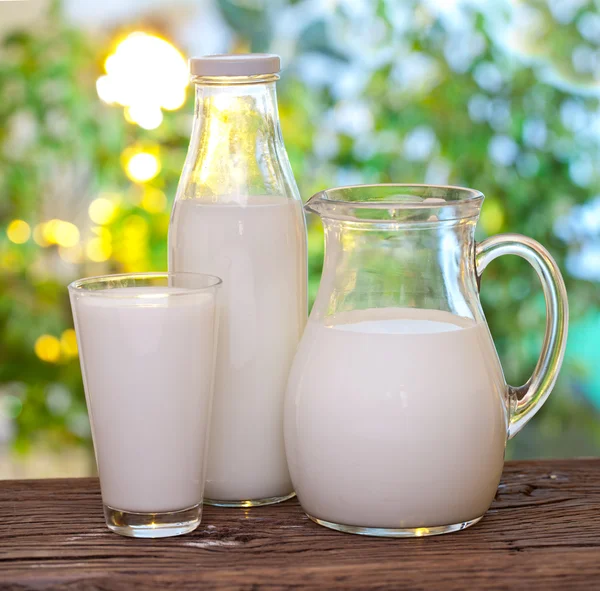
[396, 203]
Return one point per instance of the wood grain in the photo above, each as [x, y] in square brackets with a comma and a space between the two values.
[542, 532]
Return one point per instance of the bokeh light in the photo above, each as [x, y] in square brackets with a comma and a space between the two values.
[38, 236]
[131, 245]
[98, 250]
[68, 343]
[154, 201]
[47, 348]
[59, 232]
[142, 166]
[102, 210]
[18, 231]
[145, 74]
[146, 116]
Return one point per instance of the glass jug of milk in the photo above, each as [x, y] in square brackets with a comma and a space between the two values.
[238, 215]
[397, 412]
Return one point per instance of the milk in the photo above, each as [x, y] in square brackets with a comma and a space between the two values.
[147, 369]
[395, 418]
[257, 247]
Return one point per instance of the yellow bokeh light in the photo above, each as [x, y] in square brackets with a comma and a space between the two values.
[68, 343]
[127, 115]
[174, 99]
[145, 74]
[47, 348]
[102, 211]
[67, 234]
[154, 201]
[105, 89]
[142, 167]
[109, 64]
[135, 227]
[146, 116]
[49, 231]
[131, 246]
[98, 250]
[59, 232]
[38, 235]
[18, 231]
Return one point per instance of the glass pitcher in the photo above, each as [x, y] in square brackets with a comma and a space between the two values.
[397, 411]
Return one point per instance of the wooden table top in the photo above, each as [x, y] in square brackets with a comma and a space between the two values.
[542, 532]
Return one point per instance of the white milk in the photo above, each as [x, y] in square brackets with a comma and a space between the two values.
[147, 371]
[258, 251]
[395, 418]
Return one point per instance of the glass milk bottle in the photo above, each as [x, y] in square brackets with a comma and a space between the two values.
[238, 215]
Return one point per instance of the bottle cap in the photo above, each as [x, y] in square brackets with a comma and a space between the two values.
[228, 64]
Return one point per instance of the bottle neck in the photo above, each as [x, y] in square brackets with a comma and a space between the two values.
[236, 146]
[245, 100]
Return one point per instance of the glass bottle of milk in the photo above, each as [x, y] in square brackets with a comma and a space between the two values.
[238, 215]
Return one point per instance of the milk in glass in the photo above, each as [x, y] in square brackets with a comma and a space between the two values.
[148, 358]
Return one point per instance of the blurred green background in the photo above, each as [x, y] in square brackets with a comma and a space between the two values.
[499, 96]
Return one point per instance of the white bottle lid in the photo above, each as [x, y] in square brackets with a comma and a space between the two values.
[228, 64]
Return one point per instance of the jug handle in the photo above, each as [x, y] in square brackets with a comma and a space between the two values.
[526, 400]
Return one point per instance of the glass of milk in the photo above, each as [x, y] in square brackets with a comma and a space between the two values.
[147, 345]
[397, 411]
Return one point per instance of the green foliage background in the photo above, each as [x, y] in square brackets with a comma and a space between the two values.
[60, 148]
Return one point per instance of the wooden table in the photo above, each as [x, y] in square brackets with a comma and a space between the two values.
[542, 532]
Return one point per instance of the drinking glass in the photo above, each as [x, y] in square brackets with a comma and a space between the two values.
[147, 345]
